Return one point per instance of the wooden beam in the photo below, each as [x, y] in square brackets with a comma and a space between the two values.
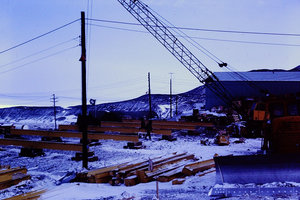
[41, 145]
[100, 136]
[121, 130]
[170, 175]
[121, 124]
[68, 127]
[44, 133]
[7, 174]
[163, 122]
[173, 127]
[131, 180]
[28, 196]
[127, 130]
[156, 126]
[196, 167]
[95, 136]
[14, 181]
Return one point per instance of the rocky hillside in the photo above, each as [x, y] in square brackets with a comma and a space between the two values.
[43, 116]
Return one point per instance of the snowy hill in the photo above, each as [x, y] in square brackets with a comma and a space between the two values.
[41, 117]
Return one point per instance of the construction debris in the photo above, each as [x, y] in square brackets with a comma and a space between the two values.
[30, 195]
[91, 156]
[31, 152]
[222, 138]
[134, 145]
[12, 176]
[163, 169]
[178, 181]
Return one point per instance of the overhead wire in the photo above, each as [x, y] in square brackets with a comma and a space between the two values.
[34, 61]
[202, 38]
[38, 52]
[216, 59]
[219, 61]
[39, 36]
[89, 33]
[190, 40]
[242, 77]
[221, 90]
[202, 29]
[26, 97]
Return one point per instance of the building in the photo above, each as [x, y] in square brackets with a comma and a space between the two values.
[254, 84]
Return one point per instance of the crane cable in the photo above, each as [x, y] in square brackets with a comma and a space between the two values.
[190, 40]
[212, 56]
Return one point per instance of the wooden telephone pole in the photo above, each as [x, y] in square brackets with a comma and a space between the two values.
[83, 123]
[149, 94]
[171, 95]
[54, 100]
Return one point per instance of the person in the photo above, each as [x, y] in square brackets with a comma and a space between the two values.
[150, 165]
[149, 129]
[143, 125]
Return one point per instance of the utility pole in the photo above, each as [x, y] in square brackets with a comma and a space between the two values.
[54, 100]
[83, 122]
[149, 94]
[176, 104]
[171, 95]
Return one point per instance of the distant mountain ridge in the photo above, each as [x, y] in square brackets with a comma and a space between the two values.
[41, 117]
[277, 70]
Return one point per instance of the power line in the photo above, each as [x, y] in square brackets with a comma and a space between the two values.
[205, 38]
[20, 96]
[191, 41]
[39, 52]
[45, 57]
[203, 29]
[37, 37]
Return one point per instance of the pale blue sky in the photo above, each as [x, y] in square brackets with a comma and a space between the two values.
[118, 60]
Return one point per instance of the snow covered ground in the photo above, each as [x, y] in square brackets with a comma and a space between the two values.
[46, 171]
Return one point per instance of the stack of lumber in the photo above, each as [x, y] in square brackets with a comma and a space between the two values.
[162, 168]
[12, 176]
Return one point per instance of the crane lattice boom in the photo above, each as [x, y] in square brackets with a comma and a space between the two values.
[160, 31]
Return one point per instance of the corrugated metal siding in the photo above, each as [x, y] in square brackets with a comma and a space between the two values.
[243, 89]
[258, 76]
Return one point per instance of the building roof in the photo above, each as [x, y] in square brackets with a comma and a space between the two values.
[259, 76]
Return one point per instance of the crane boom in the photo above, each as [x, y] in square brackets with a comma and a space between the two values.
[160, 31]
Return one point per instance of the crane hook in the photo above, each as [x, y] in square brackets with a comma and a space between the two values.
[222, 64]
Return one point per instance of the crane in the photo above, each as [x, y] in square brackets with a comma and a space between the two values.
[231, 169]
[161, 32]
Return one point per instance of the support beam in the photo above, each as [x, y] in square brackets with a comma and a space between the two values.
[121, 130]
[203, 124]
[41, 145]
[95, 136]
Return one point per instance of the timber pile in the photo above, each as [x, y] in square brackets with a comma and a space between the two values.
[162, 168]
[12, 176]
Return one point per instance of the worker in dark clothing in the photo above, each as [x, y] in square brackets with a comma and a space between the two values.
[149, 129]
[143, 124]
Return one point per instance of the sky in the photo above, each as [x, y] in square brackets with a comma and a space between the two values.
[120, 56]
